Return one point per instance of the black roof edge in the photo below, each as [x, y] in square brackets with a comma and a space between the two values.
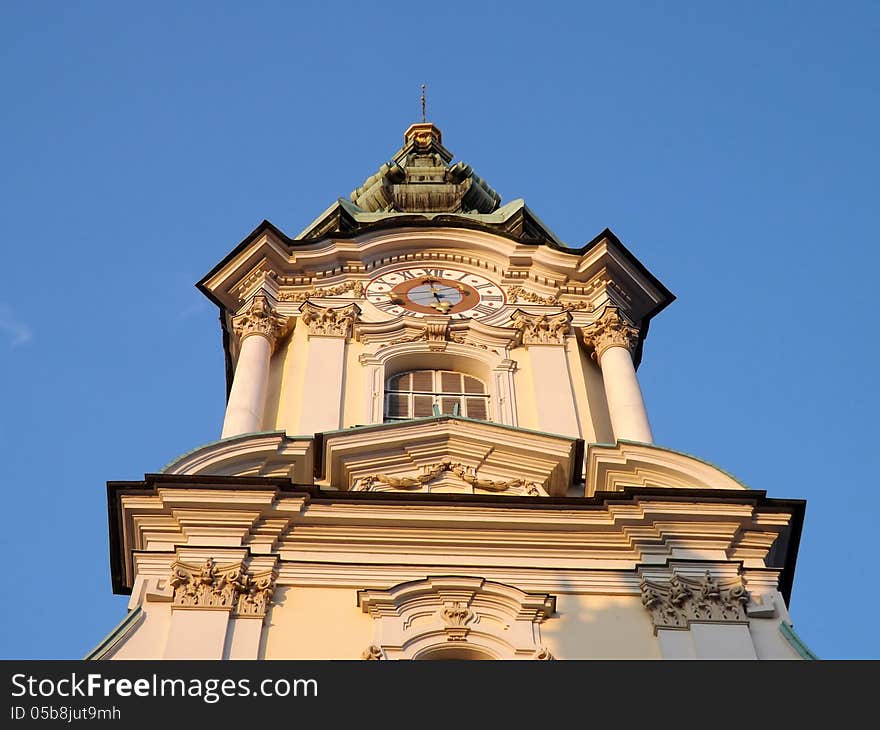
[795, 507]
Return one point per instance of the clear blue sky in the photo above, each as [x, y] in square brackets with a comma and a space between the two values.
[731, 146]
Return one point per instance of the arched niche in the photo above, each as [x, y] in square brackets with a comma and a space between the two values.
[457, 617]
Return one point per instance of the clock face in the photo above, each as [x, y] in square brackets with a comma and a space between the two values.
[421, 292]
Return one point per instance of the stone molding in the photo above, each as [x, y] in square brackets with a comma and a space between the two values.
[260, 318]
[329, 321]
[228, 587]
[681, 601]
[417, 618]
[433, 471]
[611, 330]
[541, 329]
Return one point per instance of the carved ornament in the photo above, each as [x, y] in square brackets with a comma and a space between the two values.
[543, 654]
[541, 329]
[328, 321]
[436, 334]
[610, 330]
[227, 587]
[433, 471]
[318, 292]
[373, 653]
[260, 318]
[518, 294]
[456, 615]
[682, 601]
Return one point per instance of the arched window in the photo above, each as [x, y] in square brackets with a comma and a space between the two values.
[425, 393]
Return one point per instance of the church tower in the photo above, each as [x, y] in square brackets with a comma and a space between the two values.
[435, 446]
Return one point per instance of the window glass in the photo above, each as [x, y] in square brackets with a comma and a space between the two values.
[424, 393]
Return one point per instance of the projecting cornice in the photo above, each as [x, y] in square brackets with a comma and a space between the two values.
[154, 521]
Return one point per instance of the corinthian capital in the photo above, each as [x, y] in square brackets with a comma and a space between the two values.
[541, 329]
[229, 587]
[260, 319]
[611, 330]
[328, 321]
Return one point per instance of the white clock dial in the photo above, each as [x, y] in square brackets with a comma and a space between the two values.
[425, 291]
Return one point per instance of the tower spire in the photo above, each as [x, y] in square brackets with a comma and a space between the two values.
[423, 104]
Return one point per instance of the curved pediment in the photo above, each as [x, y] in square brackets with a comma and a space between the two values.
[268, 454]
[448, 454]
[628, 464]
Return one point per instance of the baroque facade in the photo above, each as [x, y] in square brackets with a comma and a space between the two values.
[435, 446]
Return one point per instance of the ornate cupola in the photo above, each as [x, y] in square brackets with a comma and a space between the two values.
[436, 446]
[419, 179]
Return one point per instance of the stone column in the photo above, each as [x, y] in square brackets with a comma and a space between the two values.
[258, 328]
[323, 393]
[544, 337]
[614, 340]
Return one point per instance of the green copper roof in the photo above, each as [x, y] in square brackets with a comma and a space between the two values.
[420, 185]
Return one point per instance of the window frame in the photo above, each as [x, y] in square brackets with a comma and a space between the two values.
[437, 394]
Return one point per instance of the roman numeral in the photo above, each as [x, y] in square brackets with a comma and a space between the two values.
[484, 309]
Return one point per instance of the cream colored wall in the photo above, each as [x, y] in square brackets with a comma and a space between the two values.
[594, 388]
[148, 640]
[526, 410]
[316, 623]
[354, 384]
[769, 641]
[576, 367]
[309, 622]
[283, 405]
[600, 627]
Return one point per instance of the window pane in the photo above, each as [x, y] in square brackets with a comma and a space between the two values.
[476, 408]
[423, 406]
[397, 406]
[399, 382]
[414, 394]
[423, 381]
[450, 382]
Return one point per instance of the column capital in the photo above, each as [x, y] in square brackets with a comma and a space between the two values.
[225, 587]
[611, 330]
[260, 318]
[541, 329]
[681, 601]
[329, 321]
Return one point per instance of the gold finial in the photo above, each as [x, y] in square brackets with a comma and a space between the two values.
[423, 103]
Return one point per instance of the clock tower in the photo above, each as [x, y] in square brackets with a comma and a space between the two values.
[435, 446]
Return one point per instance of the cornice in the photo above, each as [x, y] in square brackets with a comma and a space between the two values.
[273, 517]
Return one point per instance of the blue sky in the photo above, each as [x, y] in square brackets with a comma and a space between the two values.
[732, 147]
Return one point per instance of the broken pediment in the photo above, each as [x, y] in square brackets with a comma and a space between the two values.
[448, 454]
